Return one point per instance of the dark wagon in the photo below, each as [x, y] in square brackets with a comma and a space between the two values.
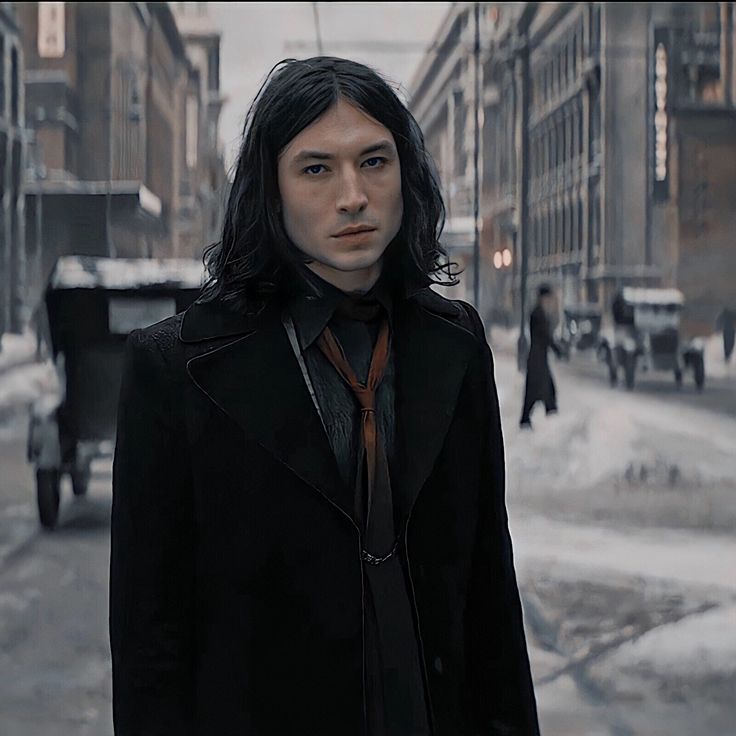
[92, 304]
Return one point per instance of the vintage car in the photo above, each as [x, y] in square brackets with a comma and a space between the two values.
[646, 337]
[580, 329]
[92, 304]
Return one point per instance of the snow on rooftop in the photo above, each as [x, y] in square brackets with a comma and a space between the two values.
[653, 296]
[88, 272]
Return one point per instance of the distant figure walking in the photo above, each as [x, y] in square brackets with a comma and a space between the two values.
[725, 323]
[540, 385]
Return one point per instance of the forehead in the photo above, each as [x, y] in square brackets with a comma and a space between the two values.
[342, 128]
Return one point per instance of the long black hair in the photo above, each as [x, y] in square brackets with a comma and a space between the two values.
[255, 257]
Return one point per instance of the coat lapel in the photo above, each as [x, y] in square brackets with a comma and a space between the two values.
[254, 377]
[432, 356]
[256, 380]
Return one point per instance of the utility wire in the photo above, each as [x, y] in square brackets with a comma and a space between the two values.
[316, 29]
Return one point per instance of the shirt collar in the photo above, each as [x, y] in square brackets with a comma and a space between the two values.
[315, 301]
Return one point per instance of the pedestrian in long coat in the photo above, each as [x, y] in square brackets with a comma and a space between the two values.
[309, 532]
[725, 322]
[540, 385]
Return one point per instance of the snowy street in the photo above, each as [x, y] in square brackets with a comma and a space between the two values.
[623, 514]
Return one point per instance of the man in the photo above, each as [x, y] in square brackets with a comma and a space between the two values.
[726, 322]
[540, 385]
[309, 533]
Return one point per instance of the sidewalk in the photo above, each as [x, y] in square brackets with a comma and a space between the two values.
[578, 551]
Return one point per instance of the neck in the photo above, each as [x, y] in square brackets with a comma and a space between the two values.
[351, 282]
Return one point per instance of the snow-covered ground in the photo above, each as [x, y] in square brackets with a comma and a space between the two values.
[715, 361]
[623, 515]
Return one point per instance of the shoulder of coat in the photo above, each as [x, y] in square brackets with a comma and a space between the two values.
[454, 310]
[163, 334]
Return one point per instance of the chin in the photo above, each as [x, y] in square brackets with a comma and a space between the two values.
[356, 261]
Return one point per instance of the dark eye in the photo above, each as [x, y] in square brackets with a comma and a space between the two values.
[314, 169]
[374, 162]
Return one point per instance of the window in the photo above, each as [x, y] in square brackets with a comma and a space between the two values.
[51, 32]
[580, 130]
[213, 69]
[579, 223]
[192, 131]
[14, 81]
[2, 75]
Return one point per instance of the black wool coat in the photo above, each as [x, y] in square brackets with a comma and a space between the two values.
[540, 385]
[236, 587]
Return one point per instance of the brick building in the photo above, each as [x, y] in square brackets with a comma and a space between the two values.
[108, 86]
[203, 191]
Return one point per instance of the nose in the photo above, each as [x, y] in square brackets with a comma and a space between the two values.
[351, 194]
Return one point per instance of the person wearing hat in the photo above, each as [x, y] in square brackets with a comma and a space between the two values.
[540, 385]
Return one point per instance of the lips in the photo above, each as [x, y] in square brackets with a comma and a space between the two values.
[354, 231]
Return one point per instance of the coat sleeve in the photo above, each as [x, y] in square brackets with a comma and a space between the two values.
[499, 677]
[151, 578]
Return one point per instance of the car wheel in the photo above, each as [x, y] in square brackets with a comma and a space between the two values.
[47, 494]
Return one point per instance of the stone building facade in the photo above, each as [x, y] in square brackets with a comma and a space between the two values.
[607, 148]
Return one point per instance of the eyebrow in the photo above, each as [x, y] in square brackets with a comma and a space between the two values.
[385, 146]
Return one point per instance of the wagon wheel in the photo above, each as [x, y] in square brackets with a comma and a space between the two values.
[605, 356]
[612, 369]
[699, 371]
[630, 369]
[47, 494]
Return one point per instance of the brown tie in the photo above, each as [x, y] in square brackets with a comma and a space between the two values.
[372, 462]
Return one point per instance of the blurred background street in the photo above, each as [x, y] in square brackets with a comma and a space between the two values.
[590, 147]
[622, 515]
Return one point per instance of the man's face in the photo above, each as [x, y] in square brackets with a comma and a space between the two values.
[548, 302]
[340, 186]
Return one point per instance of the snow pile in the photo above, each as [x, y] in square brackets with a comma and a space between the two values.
[604, 435]
[573, 450]
[25, 384]
[715, 364]
[16, 349]
[86, 272]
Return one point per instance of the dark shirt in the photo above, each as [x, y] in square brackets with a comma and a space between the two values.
[311, 313]
[395, 698]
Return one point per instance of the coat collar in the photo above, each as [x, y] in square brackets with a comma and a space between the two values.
[253, 376]
[313, 305]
